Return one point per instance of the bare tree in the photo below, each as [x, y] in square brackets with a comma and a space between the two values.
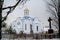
[59, 15]
[53, 4]
[11, 8]
[3, 24]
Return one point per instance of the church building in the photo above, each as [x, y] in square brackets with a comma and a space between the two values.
[26, 24]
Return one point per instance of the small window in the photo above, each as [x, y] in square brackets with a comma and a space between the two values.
[37, 28]
[14, 25]
[31, 26]
[18, 23]
[25, 27]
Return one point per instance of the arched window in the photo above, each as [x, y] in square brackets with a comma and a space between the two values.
[37, 28]
[18, 23]
[14, 25]
[25, 27]
[31, 26]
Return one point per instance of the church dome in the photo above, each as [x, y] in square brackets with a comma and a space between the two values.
[26, 9]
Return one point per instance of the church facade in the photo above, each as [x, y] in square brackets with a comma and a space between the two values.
[26, 24]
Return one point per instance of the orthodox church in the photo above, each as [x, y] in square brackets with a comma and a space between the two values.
[26, 24]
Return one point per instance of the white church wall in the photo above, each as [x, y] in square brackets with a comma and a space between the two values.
[27, 23]
[13, 25]
[37, 28]
[17, 25]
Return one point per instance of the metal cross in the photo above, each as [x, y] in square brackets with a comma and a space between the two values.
[49, 20]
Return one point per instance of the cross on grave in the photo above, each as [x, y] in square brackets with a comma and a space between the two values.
[50, 30]
[49, 20]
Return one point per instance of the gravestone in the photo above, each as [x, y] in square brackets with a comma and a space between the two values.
[50, 30]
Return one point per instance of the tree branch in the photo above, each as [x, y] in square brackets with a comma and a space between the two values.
[11, 9]
[11, 6]
[52, 5]
[52, 12]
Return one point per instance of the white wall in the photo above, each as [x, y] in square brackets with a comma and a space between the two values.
[27, 22]
[17, 27]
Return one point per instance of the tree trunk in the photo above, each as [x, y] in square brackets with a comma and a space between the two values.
[1, 3]
[59, 19]
[59, 26]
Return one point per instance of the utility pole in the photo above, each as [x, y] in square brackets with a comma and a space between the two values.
[1, 4]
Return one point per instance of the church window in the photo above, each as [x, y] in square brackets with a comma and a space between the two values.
[25, 27]
[31, 26]
[37, 28]
[14, 25]
[18, 23]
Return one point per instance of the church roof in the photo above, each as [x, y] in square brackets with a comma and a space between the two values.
[26, 18]
[36, 20]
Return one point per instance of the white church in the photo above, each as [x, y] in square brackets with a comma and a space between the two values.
[34, 17]
[26, 24]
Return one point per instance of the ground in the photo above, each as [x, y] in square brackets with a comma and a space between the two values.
[28, 39]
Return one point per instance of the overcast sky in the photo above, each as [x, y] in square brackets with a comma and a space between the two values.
[37, 8]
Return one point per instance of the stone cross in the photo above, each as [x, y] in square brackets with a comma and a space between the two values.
[49, 20]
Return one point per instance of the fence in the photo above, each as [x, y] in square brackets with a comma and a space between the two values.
[34, 36]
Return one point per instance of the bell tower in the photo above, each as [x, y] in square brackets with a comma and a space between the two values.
[26, 12]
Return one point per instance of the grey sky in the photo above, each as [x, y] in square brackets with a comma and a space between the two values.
[37, 8]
